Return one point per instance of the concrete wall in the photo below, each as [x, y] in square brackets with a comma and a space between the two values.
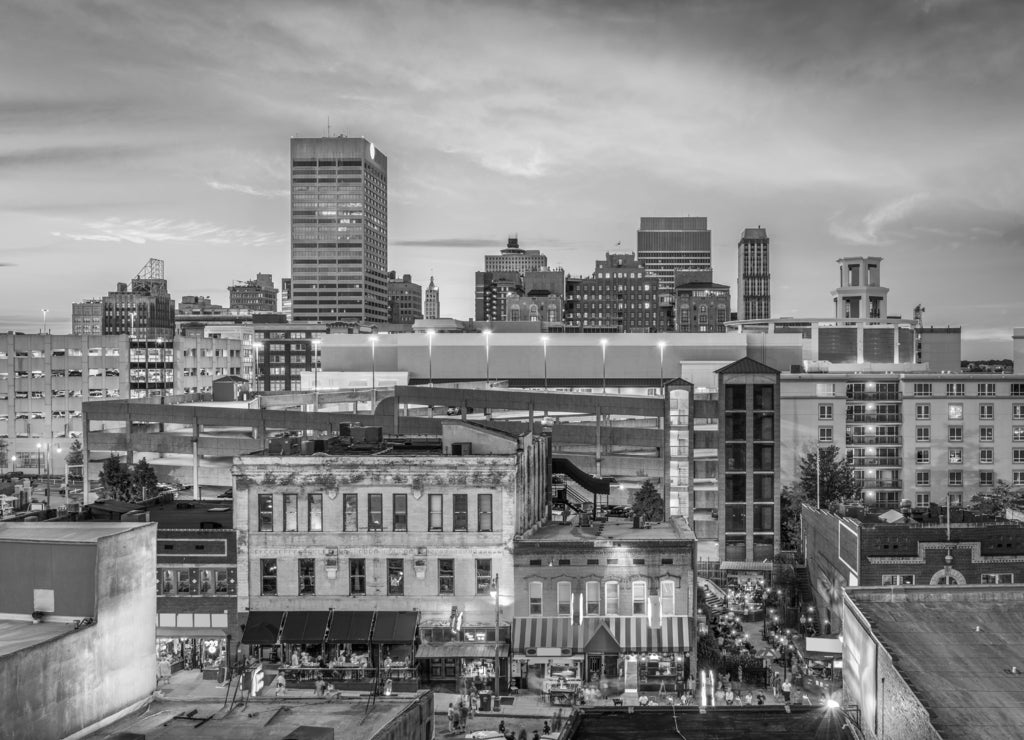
[69, 570]
[416, 722]
[62, 686]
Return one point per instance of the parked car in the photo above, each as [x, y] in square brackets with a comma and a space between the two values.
[229, 493]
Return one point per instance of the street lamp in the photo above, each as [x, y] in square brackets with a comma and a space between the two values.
[604, 366]
[39, 460]
[661, 363]
[45, 311]
[544, 344]
[496, 593]
[373, 374]
[430, 357]
[487, 357]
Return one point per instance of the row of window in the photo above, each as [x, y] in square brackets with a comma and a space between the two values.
[956, 478]
[194, 581]
[590, 602]
[395, 576]
[959, 389]
[923, 411]
[955, 456]
[374, 521]
[911, 580]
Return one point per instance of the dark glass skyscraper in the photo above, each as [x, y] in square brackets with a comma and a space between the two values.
[339, 230]
[668, 244]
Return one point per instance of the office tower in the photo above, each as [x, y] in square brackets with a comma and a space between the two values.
[665, 245]
[432, 305]
[87, 316]
[286, 297]
[405, 299]
[702, 306]
[254, 296]
[492, 291]
[515, 258]
[620, 296]
[339, 230]
[143, 311]
[860, 294]
[753, 289]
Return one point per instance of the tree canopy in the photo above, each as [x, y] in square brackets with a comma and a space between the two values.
[996, 501]
[73, 459]
[836, 477]
[648, 503]
[143, 480]
[792, 501]
[115, 479]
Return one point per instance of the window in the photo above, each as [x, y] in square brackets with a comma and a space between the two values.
[484, 576]
[923, 456]
[986, 389]
[825, 434]
[611, 598]
[291, 512]
[668, 598]
[593, 598]
[375, 518]
[446, 576]
[536, 597]
[265, 507]
[1017, 390]
[890, 580]
[923, 411]
[954, 389]
[922, 389]
[956, 477]
[460, 512]
[923, 497]
[986, 478]
[1018, 456]
[563, 597]
[396, 577]
[165, 583]
[400, 512]
[639, 597]
[924, 478]
[350, 508]
[1018, 412]
[985, 456]
[1018, 477]
[956, 456]
[1018, 434]
[955, 499]
[986, 434]
[484, 515]
[307, 576]
[182, 585]
[315, 512]
[357, 576]
[986, 411]
[435, 512]
[956, 411]
[825, 411]
[268, 576]
[924, 434]
[956, 434]
[997, 577]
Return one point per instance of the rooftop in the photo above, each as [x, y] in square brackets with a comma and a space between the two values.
[191, 514]
[614, 529]
[64, 531]
[17, 635]
[267, 719]
[954, 647]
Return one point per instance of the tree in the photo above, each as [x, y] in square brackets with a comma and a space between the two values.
[115, 479]
[792, 502]
[143, 480]
[835, 476]
[995, 502]
[73, 459]
[708, 654]
[648, 503]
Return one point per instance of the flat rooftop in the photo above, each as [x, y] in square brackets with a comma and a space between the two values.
[17, 635]
[64, 531]
[188, 514]
[960, 674]
[614, 529]
[265, 719]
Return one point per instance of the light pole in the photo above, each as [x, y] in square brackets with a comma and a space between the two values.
[316, 374]
[544, 344]
[604, 366]
[496, 593]
[430, 357]
[661, 363]
[373, 374]
[45, 311]
[487, 357]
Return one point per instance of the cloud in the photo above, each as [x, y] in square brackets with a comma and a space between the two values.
[470, 242]
[868, 230]
[8, 264]
[248, 189]
[154, 230]
[64, 155]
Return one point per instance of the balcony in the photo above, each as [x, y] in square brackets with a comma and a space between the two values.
[873, 395]
[876, 462]
[873, 418]
[873, 439]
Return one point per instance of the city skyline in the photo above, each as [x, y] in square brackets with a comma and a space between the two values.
[135, 131]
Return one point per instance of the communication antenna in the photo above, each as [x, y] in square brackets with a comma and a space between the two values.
[328, 127]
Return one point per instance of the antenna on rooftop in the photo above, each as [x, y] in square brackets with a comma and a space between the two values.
[328, 127]
[152, 270]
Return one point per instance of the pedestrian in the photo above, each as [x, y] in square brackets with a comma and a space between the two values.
[321, 686]
[776, 684]
[729, 696]
[453, 718]
[787, 688]
[547, 727]
[463, 715]
[536, 735]
[748, 699]
[760, 698]
[280, 686]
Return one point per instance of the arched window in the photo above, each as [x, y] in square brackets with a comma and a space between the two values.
[668, 598]
[536, 597]
[593, 599]
[563, 594]
[639, 597]
[611, 598]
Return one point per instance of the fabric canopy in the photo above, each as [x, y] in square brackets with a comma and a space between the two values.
[394, 628]
[350, 627]
[262, 628]
[461, 650]
[623, 634]
[304, 627]
[825, 645]
[635, 636]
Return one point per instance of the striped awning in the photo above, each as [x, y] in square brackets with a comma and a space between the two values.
[743, 565]
[559, 636]
[546, 636]
[635, 635]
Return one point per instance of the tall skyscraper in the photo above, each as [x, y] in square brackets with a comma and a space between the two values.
[667, 244]
[432, 302]
[514, 257]
[753, 288]
[145, 310]
[339, 230]
[405, 299]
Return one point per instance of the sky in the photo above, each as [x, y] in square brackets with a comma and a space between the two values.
[132, 129]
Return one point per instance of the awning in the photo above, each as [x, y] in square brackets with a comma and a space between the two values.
[824, 645]
[262, 628]
[307, 627]
[350, 627]
[743, 565]
[602, 641]
[213, 633]
[395, 628]
[635, 636]
[471, 650]
[545, 636]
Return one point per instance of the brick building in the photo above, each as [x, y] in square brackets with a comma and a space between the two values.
[621, 295]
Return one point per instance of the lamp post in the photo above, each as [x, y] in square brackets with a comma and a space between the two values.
[487, 357]
[45, 311]
[496, 593]
[316, 374]
[430, 357]
[661, 363]
[604, 366]
[544, 345]
[373, 374]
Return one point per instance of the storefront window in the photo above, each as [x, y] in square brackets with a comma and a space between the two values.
[446, 576]
[483, 575]
[396, 577]
[316, 512]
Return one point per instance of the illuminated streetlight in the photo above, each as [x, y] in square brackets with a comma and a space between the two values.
[661, 362]
[45, 311]
[487, 357]
[604, 366]
[544, 343]
[430, 357]
[496, 595]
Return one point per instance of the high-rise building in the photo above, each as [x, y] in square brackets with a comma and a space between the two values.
[254, 296]
[515, 258]
[144, 311]
[339, 230]
[87, 316]
[668, 244]
[405, 299]
[432, 305]
[286, 297]
[860, 294]
[753, 289]
[620, 296]
[493, 289]
[701, 305]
